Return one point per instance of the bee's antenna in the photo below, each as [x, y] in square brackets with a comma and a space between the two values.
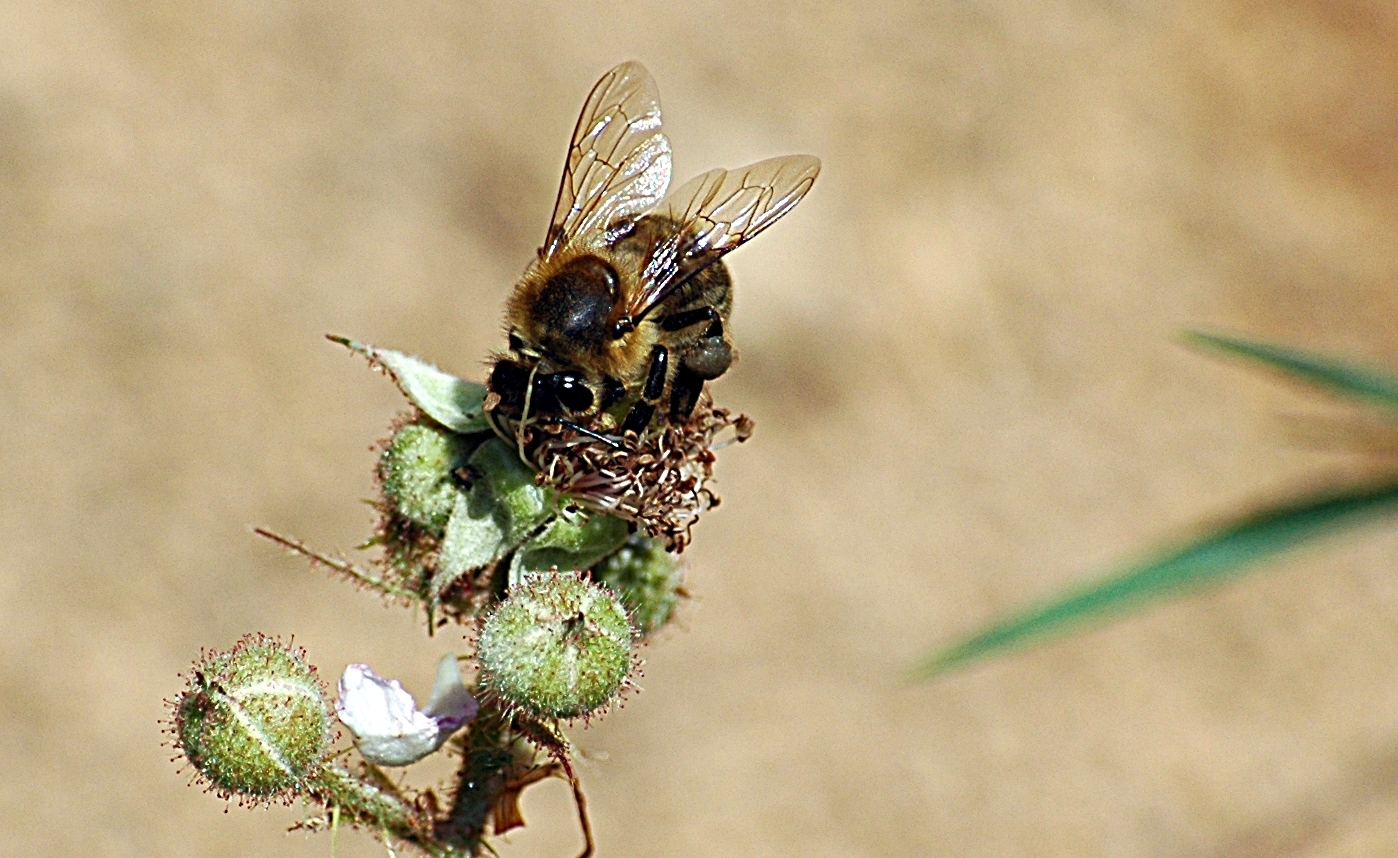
[568, 424]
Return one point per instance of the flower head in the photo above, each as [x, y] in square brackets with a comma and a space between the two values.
[660, 483]
[558, 646]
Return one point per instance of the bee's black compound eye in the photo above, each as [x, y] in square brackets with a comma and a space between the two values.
[558, 392]
[571, 392]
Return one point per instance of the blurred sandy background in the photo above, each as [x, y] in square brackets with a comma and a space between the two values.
[959, 351]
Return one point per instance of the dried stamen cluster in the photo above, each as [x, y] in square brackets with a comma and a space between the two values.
[660, 481]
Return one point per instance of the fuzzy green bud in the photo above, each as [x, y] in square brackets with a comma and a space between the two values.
[416, 471]
[255, 720]
[559, 646]
[647, 579]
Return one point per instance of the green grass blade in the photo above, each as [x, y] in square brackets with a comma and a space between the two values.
[1220, 553]
[1346, 379]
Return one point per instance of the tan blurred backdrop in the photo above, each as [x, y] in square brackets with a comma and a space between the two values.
[959, 351]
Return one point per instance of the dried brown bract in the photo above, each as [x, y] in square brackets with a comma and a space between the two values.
[660, 481]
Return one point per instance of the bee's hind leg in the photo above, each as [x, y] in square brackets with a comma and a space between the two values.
[638, 418]
[709, 356]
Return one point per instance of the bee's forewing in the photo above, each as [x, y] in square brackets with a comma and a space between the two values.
[619, 160]
[716, 212]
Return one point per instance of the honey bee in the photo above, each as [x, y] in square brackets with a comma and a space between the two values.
[625, 309]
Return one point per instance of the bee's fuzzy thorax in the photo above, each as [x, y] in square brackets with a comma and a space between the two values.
[625, 358]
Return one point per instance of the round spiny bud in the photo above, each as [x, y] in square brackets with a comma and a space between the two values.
[254, 721]
[416, 470]
[558, 647]
[647, 579]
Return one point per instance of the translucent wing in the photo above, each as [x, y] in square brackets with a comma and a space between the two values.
[716, 212]
[618, 163]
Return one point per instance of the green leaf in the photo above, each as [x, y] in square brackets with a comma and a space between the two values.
[503, 508]
[1346, 379]
[522, 504]
[474, 538]
[452, 402]
[576, 544]
[1217, 555]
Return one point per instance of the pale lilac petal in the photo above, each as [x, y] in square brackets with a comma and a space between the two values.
[451, 706]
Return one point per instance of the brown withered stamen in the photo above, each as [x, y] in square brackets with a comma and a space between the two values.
[660, 481]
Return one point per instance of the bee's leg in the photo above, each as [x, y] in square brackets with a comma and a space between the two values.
[613, 392]
[710, 356]
[679, 321]
[638, 418]
[684, 393]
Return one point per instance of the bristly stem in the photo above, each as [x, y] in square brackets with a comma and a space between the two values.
[376, 807]
[344, 567]
[547, 736]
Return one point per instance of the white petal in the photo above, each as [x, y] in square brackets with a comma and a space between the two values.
[387, 725]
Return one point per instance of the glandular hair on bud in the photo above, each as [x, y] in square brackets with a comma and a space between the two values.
[254, 721]
[416, 470]
[647, 579]
[558, 646]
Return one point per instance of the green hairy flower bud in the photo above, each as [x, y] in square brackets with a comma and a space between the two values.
[254, 721]
[558, 647]
[647, 579]
[416, 471]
